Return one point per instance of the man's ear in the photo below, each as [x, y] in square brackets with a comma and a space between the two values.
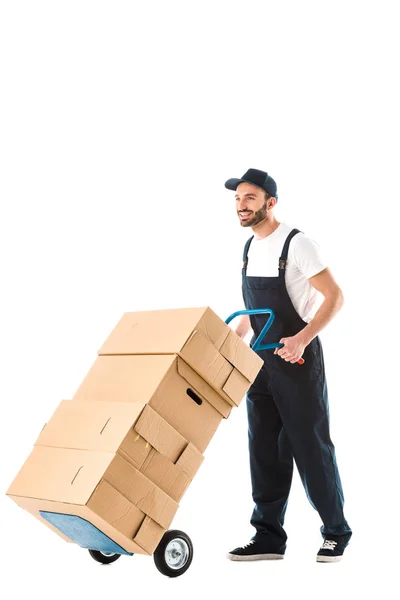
[272, 202]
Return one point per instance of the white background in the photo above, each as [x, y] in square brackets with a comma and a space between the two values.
[120, 122]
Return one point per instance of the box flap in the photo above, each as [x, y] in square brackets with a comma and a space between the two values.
[190, 460]
[204, 358]
[113, 508]
[134, 449]
[213, 328]
[160, 434]
[149, 535]
[60, 474]
[99, 426]
[236, 387]
[152, 332]
[203, 389]
[241, 356]
[124, 378]
[142, 492]
[166, 475]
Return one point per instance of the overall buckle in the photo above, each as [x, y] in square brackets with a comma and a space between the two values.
[282, 263]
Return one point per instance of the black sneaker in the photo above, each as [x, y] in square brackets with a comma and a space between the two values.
[333, 547]
[254, 550]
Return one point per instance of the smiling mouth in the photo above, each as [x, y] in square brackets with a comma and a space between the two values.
[244, 215]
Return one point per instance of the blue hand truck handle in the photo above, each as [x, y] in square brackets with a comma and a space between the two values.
[258, 311]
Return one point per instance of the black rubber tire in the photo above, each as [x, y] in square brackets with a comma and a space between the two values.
[102, 558]
[159, 554]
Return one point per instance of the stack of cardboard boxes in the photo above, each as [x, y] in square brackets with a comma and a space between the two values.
[123, 451]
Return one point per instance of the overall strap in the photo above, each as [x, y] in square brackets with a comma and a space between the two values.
[246, 251]
[283, 258]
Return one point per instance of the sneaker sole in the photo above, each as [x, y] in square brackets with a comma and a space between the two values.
[237, 557]
[329, 558]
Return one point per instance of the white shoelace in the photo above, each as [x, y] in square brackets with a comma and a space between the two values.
[328, 545]
[249, 544]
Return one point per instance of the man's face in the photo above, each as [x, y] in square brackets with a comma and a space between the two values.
[251, 205]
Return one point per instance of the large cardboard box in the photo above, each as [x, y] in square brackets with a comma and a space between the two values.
[203, 340]
[119, 466]
[164, 382]
[134, 431]
[100, 487]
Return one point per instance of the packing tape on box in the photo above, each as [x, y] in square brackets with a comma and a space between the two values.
[136, 439]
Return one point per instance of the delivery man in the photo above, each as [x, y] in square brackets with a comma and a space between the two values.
[287, 405]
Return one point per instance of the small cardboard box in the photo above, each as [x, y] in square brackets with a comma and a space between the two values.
[203, 340]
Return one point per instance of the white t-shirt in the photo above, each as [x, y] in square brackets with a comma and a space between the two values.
[304, 261]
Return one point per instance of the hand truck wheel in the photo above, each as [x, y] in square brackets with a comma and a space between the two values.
[174, 553]
[104, 558]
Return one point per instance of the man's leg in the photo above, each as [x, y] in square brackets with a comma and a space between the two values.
[271, 464]
[303, 404]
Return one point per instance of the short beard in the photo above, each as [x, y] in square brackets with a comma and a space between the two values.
[259, 215]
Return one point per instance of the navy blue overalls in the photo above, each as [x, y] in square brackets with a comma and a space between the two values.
[288, 417]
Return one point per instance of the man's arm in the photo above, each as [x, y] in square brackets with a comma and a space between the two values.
[243, 326]
[333, 301]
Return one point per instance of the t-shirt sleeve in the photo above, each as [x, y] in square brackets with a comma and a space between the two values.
[307, 256]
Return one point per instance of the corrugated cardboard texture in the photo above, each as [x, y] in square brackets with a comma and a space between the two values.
[203, 389]
[204, 358]
[142, 492]
[213, 328]
[128, 428]
[115, 509]
[121, 495]
[97, 426]
[113, 378]
[134, 448]
[190, 461]
[174, 479]
[160, 434]
[178, 403]
[198, 336]
[60, 474]
[72, 476]
[151, 444]
[152, 332]
[125, 518]
[166, 475]
[149, 535]
[247, 362]
[210, 363]
[170, 332]
[139, 377]
[236, 386]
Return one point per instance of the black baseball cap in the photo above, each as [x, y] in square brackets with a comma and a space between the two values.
[255, 177]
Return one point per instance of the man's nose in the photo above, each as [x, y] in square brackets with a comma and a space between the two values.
[242, 205]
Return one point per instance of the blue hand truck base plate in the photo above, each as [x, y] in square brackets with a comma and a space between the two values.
[82, 532]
